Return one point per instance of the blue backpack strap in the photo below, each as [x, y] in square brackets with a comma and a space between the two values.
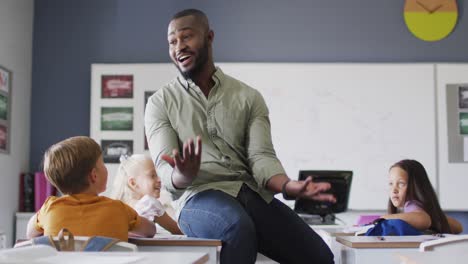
[98, 243]
[44, 240]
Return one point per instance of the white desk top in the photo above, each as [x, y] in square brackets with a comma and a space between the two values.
[174, 240]
[384, 242]
[431, 258]
[23, 256]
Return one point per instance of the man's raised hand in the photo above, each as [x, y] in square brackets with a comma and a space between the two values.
[186, 167]
[310, 190]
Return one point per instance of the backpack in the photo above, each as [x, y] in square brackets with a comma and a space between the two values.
[392, 227]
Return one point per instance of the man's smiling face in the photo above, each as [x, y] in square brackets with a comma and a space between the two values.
[188, 45]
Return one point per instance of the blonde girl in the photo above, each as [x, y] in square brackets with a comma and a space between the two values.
[138, 185]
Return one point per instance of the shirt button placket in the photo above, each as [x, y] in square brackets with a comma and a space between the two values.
[211, 122]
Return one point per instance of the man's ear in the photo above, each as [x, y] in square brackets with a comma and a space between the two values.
[210, 36]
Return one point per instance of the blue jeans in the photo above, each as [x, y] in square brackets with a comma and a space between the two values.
[247, 225]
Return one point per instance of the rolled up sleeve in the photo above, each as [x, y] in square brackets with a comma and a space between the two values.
[162, 138]
[261, 153]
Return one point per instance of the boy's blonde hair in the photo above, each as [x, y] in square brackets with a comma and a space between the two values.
[121, 190]
[68, 163]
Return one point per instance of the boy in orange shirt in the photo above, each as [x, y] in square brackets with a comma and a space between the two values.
[75, 167]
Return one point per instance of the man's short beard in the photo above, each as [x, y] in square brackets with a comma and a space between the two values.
[202, 59]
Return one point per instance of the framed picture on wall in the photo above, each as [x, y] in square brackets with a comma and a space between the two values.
[147, 96]
[4, 80]
[3, 139]
[113, 149]
[119, 93]
[117, 86]
[464, 123]
[463, 97]
[5, 109]
[117, 118]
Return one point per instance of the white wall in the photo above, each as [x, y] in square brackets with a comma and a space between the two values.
[16, 28]
[324, 116]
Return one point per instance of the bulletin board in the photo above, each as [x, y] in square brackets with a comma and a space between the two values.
[452, 109]
[359, 117]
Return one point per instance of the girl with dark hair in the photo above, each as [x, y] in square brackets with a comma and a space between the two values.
[413, 200]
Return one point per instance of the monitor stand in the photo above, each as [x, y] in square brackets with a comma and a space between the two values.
[328, 219]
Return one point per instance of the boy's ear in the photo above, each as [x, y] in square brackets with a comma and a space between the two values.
[92, 176]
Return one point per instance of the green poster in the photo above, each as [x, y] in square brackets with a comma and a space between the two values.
[3, 107]
[464, 123]
[117, 118]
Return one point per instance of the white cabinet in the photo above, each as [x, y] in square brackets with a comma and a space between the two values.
[21, 224]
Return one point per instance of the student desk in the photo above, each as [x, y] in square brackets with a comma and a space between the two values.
[111, 257]
[431, 258]
[373, 249]
[329, 233]
[175, 243]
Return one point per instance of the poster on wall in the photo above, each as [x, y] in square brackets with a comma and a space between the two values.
[3, 107]
[117, 118]
[464, 123]
[117, 86]
[4, 80]
[3, 139]
[147, 95]
[113, 149]
[463, 97]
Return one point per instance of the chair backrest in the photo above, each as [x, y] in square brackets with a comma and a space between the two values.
[452, 243]
[65, 241]
[119, 246]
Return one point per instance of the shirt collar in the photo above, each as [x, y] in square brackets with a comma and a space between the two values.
[218, 77]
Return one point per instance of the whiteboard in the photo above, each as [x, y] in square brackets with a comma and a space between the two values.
[359, 117]
[453, 177]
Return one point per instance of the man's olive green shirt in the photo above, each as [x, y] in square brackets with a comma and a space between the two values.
[234, 127]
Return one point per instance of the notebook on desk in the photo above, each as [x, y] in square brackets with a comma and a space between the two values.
[323, 213]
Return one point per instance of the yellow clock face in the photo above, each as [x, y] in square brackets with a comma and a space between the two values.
[430, 20]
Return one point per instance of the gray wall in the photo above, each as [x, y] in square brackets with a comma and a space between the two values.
[70, 35]
[16, 26]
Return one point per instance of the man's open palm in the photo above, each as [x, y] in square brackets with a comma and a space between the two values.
[310, 190]
[187, 165]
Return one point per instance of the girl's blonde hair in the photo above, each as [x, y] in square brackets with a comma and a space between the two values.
[121, 190]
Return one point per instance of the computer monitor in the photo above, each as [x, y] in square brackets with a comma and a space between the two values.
[340, 181]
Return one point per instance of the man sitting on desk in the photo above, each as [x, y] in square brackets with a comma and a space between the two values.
[225, 189]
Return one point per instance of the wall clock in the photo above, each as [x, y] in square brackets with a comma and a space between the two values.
[430, 20]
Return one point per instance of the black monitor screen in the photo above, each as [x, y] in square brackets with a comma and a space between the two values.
[340, 187]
